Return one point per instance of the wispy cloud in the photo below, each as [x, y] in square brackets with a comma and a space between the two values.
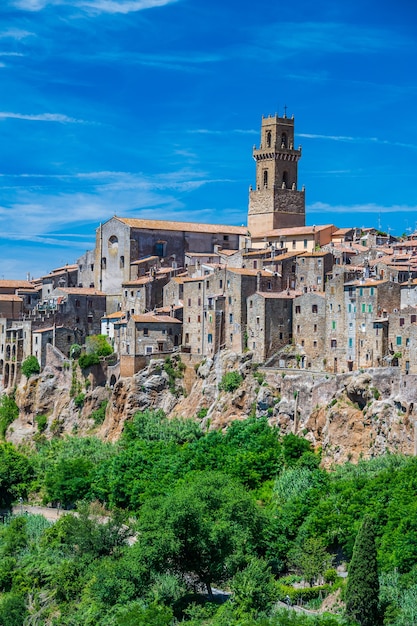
[41, 117]
[213, 131]
[46, 209]
[360, 140]
[323, 208]
[11, 54]
[14, 33]
[94, 6]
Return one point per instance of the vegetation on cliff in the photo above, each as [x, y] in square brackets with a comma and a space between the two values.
[168, 513]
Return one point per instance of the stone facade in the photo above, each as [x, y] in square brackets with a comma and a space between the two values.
[275, 201]
[269, 323]
[311, 271]
[309, 327]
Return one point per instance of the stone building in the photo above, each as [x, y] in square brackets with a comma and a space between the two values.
[11, 306]
[57, 336]
[296, 239]
[15, 347]
[144, 335]
[121, 242]
[275, 202]
[311, 270]
[402, 339]
[309, 328]
[269, 323]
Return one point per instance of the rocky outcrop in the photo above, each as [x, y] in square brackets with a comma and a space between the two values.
[348, 416]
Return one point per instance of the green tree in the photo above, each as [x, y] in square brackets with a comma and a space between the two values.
[312, 559]
[206, 528]
[98, 344]
[362, 591]
[15, 474]
[253, 589]
[9, 412]
[30, 366]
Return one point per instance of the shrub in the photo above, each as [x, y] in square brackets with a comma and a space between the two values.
[9, 412]
[87, 360]
[98, 344]
[79, 400]
[231, 381]
[202, 413]
[99, 414]
[42, 423]
[75, 351]
[30, 366]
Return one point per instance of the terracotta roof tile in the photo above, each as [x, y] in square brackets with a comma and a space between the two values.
[194, 227]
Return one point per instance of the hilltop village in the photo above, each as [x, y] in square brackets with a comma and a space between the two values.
[318, 298]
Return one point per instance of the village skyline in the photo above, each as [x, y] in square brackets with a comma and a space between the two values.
[107, 109]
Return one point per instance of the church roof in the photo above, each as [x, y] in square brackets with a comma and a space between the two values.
[193, 227]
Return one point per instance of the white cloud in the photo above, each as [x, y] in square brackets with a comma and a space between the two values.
[361, 140]
[321, 207]
[14, 33]
[94, 6]
[41, 117]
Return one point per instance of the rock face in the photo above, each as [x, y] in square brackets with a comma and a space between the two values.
[348, 416]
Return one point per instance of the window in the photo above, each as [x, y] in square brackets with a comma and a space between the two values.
[413, 319]
[350, 342]
[268, 139]
[333, 325]
[369, 308]
[228, 284]
[314, 344]
[298, 309]
[363, 308]
[269, 285]
[160, 346]
[230, 318]
[399, 341]
[350, 308]
[199, 302]
[401, 321]
[265, 178]
[298, 328]
[305, 243]
[280, 335]
[209, 338]
[407, 342]
[372, 291]
[113, 242]
[77, 304]
[294, 244]
[187, 338]
[314, 308]
[145, 332]
[361, 291]
[198, 318]
[315, 328]
[225, 237]
[250, 304]
[122, 262]
[221, 284]
[333, 343]
[103, 263]
[189, 301]
[230, 299]
[207, 284]
[231, 337]
[302, 342]
[257, 321]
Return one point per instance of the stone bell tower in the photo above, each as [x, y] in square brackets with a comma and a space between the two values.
[275, 202]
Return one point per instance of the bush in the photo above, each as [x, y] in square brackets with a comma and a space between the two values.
[231, 381]
[75, 351]
[87, 360]
[79, 400]
[42, 422]
[98, 344]
[99, 414]
[9, 412]
[30, 366]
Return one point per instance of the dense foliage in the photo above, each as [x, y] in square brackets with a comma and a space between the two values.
[169, 513]
[30, 366]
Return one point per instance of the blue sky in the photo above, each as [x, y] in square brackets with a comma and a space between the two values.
[150, 108]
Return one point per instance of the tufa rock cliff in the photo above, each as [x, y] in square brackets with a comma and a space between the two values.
[348, 416]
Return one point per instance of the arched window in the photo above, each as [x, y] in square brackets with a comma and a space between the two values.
[268, 139]
[103, 263]
[265, 178]
[113, 242]
[284, 141]
[122, 262]
[285, 178]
